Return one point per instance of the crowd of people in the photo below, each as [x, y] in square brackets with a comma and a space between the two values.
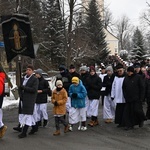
[122, 92]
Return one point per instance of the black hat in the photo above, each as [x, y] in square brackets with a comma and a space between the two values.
[137, 65]
[103, 67]
[72, 66]
[130, 69]
[62, 67]
[119, 66]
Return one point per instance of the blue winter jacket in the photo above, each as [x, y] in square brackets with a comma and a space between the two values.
[78, 102]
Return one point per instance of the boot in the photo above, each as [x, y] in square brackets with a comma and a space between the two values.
[66, 129]
[33, 130]
[57, 132]
[44, 123]
[91, 123]
[2, 131]
[39, 123]
[95, 123]
[18, 128]
[24, 132]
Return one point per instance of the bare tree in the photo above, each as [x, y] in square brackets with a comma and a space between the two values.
[123, 29]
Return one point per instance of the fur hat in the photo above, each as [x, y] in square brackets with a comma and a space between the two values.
[92, 68]
[109, 68]
[130, 69]
[84, 68]
[39, 71]
[75, 80]
[59, 82]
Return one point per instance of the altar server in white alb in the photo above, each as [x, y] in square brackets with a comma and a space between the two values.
[41, 100]
[28, 94]
[109, 105]
[77, 112]
[93, 85]
[117, 95]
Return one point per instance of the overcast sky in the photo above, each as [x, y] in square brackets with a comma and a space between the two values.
[132, 8]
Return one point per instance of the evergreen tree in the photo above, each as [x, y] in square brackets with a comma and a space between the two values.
[138, 52]
[96, 34]
[53, 32]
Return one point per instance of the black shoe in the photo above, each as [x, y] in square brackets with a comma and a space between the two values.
[119, 126]
[31, 132]
[44, 123]
[39, 123]
[141, 124]
[17, 129]
[128, 128]
[22, 135]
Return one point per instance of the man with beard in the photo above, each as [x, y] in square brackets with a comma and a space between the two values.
[133, 91]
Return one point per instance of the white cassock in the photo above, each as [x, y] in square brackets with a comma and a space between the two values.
[108, 108]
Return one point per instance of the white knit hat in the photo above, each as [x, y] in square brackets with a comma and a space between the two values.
[59, 82]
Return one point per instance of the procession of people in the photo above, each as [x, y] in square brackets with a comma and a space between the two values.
[77, 96]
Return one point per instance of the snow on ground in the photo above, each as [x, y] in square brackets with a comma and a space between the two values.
[10, 102]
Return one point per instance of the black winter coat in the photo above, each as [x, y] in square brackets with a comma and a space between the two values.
[133, 88]
[65, 77]
[44, 86]
[94, 85]
[84, 77]
[28, 96]
[107, 82]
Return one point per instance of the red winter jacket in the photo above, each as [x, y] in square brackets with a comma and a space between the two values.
[2, 82]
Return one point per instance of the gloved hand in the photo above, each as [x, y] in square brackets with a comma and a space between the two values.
[74, 95]
[22, 87]
[55, 103]
[112, 98]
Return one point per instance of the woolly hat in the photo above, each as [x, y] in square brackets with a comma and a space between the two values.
[84, 68]
[39, 71]
[137, 65]
[62, 67]
[59, 82]
[130, 69]
[92, 68]
[109, 68]
[72, 67]
[75, 80]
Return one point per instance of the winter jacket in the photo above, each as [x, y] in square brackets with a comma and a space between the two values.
[28, 96]
[84, 77]
[94, 85]
[44, 86]
[133, 88]
[148, 90]
[61, 98]
[80, 90]
[2, 87]
[107, 83]
[65, 77]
